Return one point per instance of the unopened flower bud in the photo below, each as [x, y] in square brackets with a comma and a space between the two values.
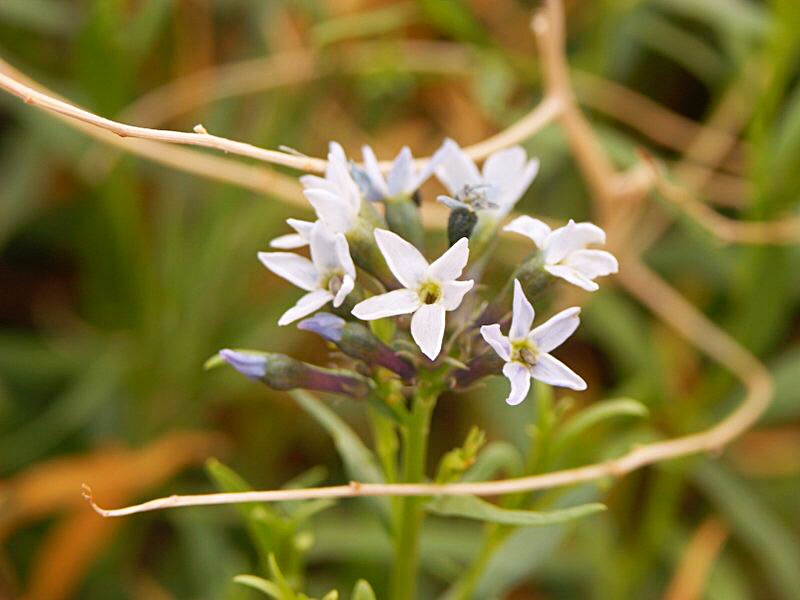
[478, 367]
[367, 255]
[460, 224]
[358, 342]
[532, 275]
[402, 216]
[281, 372]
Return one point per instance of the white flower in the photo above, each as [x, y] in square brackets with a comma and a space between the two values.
[428, 290]
[526, 351]
[291, 241]
[328, 276]
[565, 252]
[336, 197]
[505, 177]
[403, 179]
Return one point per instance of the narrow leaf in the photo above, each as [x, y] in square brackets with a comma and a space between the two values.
[471, 507]
[258, 583]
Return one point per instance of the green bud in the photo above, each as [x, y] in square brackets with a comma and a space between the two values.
[457, 461]
[402, 215]
[367, 255]
[531, 274]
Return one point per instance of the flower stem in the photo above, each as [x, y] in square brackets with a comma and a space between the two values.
[410, 513]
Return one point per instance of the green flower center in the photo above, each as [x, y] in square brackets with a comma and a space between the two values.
[430, 293]
[524, 352]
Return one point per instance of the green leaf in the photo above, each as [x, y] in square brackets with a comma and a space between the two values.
[259, 583]
[770, 541]
[471, 507]
[785, 404]
[363, 591]
[591, 416]
[359, 460]
[497, 457]
[264, 525]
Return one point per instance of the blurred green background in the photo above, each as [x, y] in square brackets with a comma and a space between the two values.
[119, 278]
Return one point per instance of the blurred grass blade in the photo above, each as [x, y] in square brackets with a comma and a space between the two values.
[376, 22]
[471, 507]
[771, 542]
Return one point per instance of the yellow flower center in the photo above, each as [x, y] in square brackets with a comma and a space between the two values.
[524, 352]
[430, 293]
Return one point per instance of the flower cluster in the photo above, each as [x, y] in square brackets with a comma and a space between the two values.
[367, 263]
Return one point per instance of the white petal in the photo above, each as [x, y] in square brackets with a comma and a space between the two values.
[572, 276]
[504, 166]
[450, 265]
[522, 314]
[301, 227]
[453, 293]
[427, 329]
[422, 175]
[374, 171]
[323, 249]
[572, 236]
[290, 241]
[454, 168]
[331, 209]
[554, 332]
[529, 227]
[305, 306]
[405, 261]
[401, 177]
[396, 302]
[343, 256]
[491, 334]
[520, 379]
[553, 372]
[592, 263]
[517, 188]
[293, 268]
[348, 283]
[294, 240]
[339, 174]
[315, 181]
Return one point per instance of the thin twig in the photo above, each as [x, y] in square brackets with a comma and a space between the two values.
[536, 119]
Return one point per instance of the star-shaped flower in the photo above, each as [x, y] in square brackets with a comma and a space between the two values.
[429, 290]
[336, 197]
[565, 252]
[328, 277]
[505, 177]
[403, 179]
[526, 351]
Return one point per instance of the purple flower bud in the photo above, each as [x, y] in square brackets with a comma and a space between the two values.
[325, 325]
[358, 342]
[281, 372]
[250, 365]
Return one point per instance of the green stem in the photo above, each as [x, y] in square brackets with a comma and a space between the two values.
[536, 462]
[410, 513]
